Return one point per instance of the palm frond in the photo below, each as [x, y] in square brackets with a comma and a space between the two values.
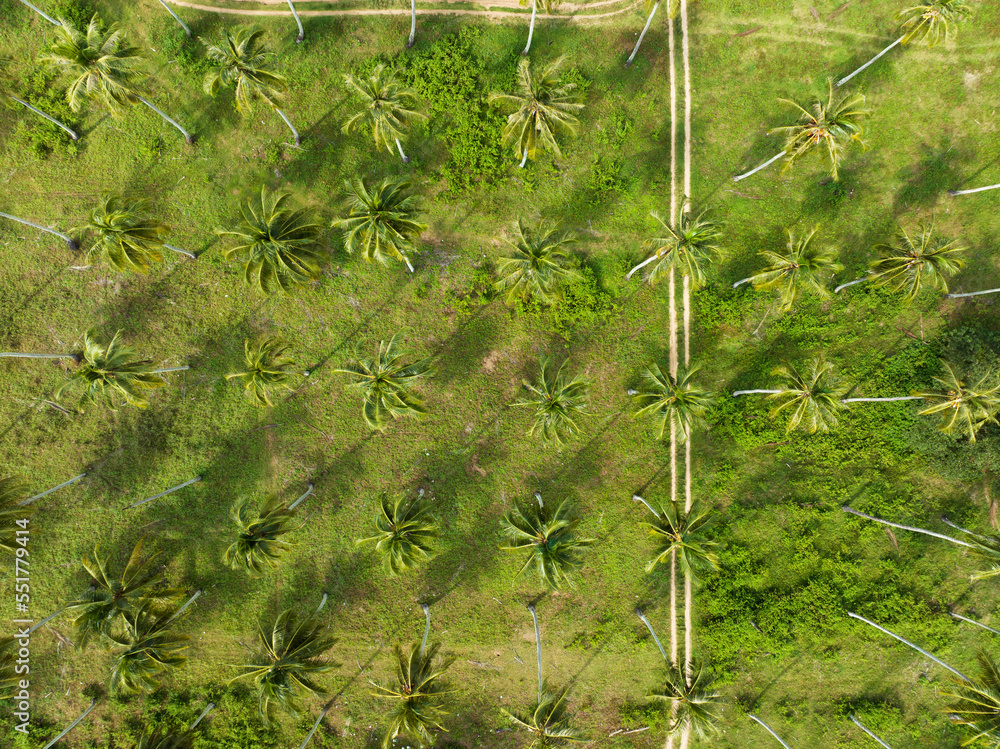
[963, 408]
[266, 363]
[689, 248]
[387, 106]
[812, 396]
[12, 493]
[404, 533]
[243, 63]
[259, 545]
[693, 704]
[557, 401]
[798, 269]
[679, 404]
[382, 221]
[109, 374]
[910, 264]
[418, 695]
[554, 548]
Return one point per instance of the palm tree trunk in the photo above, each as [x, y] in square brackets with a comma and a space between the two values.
[656, 639]
[298, 501]
[180, 251]
[50, 19]
[407, 261]
[742, 281]
[953, 193]
[850, 283]
[768, 729]
[883, 400]
[531, 27]
[302, 31]
[188, 32]
[15, 355]
[845, 508]
[413, 24]
[757, 169]
[403, 156]
[187, 136]
[538, 647]
[170, 369]
[53, 120]
[315, 726]
[74, 724]
[645, 28]
[858, 723]
[845, 79]
[45, 493]
[73, 246]
[738, 393]
[183, 608]
[972, 293]
[427, 627]
[920, 650]
[973, 621]
[637, 498]
[322, 603]
[643, 264]
[171, 490]
[295, 133]
[524, 159]
[208, 708]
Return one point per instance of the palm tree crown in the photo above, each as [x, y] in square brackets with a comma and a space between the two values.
[829, 128]
[266, 363]
[382, 222]
[109, 373]
[259, 544]
[910, 263]
[693, 702]
[544, 108]
[977, 703]
[12, 492]
[127, 236]
[812, 396]
[683, 533]
[276, 243]
[797, 269]
[288, 658]
[688, 248]
[150, 650]
[963, 408]
[932, 20]
[679, 404]
[404, 533]
[387, 384]
[550, 535]
[99, 62]
[418, 704]
[538, 265]
[557, 401]
[242, 61]
[387, 106]
[548, 722]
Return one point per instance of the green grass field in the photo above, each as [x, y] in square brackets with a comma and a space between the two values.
[772, 623]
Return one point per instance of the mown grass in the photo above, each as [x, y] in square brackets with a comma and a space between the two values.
[772, 621]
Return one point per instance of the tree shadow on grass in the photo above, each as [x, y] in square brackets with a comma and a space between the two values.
[937, 170]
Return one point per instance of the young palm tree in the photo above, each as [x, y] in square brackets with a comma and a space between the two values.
[546, 6]
[679, 404]
[828, 128]
[13, 515]
[112, 597]
[404, 533]
[127, 236]
[150, 650]
[266, 363]
[259, 544]
[543, 108]
[109, 373]
[796, 269]
[688, 248]
[418, 696]
[538, 265]
[286, 663]
[101, 67]
[7, 92]
[693, 703]
[387, 107]
[930, 20]
[242, 61]
[549, 534]
[910, 264]
[386, 384]
[276, 243]
[557, 402]
[813, 396]
[963, 408]
[383, 222]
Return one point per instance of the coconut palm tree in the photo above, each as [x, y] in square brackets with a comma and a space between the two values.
[977, 702]
[548, 724]
[387, 384]
[127, 236]
[109, 373]
[150, 650]
[287, 660]
[538, 266]
[546, 6]
[678, 403]
[14, 516]
[7, 92]
[266, 362]
[243, 62]
[543, 108]
[101, 66]
[383, 222]
[828, 128]
[557, 401]
[681, 535]
[259, 544]
[963, 408]
[688, 248]
[418, 696]
[404, 533]
[931, 20]
[276, 243]
[387, 107]
[910, 264]
[693, 702]
[549, 534]
[111, 597]
[796, 269]
[812, 395]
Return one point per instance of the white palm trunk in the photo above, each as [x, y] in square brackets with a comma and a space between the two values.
[531, 27]
[524, 159]
[407, 261]
[295, 133]
[208, 708]
[943, 537]
[769, 730]
[742, 281]
[15, 355]
[850, 283]
[53, 120]
[403, 156]
[188, 32]
[845, 79]
[179, 251]
[187, 136]
[413, 24]
[643, 264]
[686, 65]
[972, 293]
[181, 610]
[298, 21]
[953, 193]
[672, 315]
[920, 650]
[883, 400]
[171, 490]
[48, 18]
[673, 121]
[70, 242]
[72, 725]
[973, 621]
[757, 169]
[427, 626]
[47, 492]
[860, 725]
[645, 28]
[738, 393]
[170, 369]
[319, 720]
[298, 501]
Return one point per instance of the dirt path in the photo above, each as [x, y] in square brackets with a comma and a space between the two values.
[501, 3]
